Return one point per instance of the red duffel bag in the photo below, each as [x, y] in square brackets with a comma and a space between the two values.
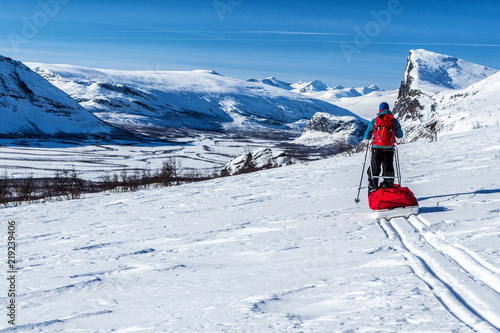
[390, 198]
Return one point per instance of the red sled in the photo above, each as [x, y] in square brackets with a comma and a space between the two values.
[393, 202]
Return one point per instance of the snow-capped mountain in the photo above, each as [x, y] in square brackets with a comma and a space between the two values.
[442, 93]
[368, 90]
[201, 100]
[429, 74]
[319, 90]
[273, 81]
[313, 86]
[32, 107]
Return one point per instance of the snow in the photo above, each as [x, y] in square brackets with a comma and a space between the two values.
[317, 138]
[263, 158]
[325, 129]
[366, 106]
[459, 110]
[273, 81]
[437, 73]
[475, 106]
[32, 106]
[202, 100]
[319, 90]
[315, 85]
[279, 250]
[92, 160]
[442, 94]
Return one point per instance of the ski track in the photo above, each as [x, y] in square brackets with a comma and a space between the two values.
[45, 324]
[464, 283]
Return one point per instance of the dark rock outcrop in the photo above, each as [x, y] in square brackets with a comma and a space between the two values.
[407, 106]
[253, 161]
[336, 129]
[323, 122]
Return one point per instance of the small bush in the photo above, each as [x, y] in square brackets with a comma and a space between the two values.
[67, 185]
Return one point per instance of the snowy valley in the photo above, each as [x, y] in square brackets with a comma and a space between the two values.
[278, 250]
[205, 119]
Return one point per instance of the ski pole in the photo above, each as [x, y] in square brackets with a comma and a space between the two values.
[398, 167]
[363, 172]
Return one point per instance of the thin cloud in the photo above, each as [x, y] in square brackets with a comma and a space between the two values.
[267, 40]
[235, 32]
[295, 33]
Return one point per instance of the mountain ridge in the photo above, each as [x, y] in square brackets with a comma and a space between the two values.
[429, 74]
[32, 107]
[198, 100]
[430, 82]
[318, 89]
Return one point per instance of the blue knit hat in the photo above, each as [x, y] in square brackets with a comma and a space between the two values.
[383, 106]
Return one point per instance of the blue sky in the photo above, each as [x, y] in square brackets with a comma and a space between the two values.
[339, 42]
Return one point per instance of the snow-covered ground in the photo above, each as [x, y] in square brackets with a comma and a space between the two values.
[93, 160]
[367, 106]
[279, 250]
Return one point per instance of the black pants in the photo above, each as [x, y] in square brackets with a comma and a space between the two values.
[382, 160]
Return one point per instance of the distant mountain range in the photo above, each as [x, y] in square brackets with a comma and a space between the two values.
[197, 100]
[438, 94]
[318, 89]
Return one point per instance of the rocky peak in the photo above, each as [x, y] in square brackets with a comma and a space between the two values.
[430, 74]
[407, 106]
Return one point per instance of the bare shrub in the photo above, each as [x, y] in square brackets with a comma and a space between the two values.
[5, 189]
[170, 172]
[67, 185]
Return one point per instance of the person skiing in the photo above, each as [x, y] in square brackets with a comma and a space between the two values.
[384, 129]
